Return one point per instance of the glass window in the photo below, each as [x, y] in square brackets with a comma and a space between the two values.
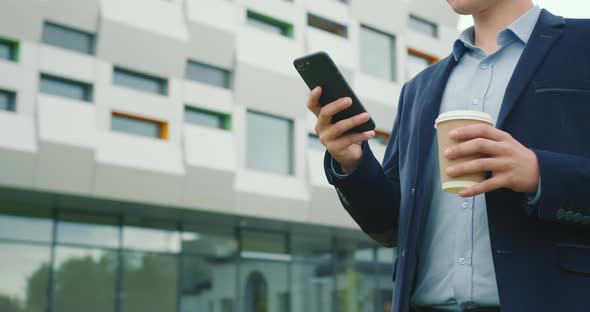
[7, 100]
[356, 285]
[206, 240]
[377, 54]
[314, 142]
[8, 50]
[84, 279]
[385, 260]
[327, 25]
[423, 26]
[269, 24]
[141, 82]
[417, 62]
[150, 281]
[207, 74]
[381, 137]
[269, 143]
[67, 38]
[25, 274]
[82, 229]
[205, 118]
[66, 88]
[138, 126]
[26, 228]
[160, 239]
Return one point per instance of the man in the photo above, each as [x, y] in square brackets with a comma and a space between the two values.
[521, 238]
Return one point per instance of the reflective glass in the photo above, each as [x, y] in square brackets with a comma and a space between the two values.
[7, 100]
[24, 276]
[385, 260]
[149, 282]
[6, 51]
[136, 126]
[148, 239]
[84, 279]
[141, 82]
[269, 143]
[259, 241]
[204, 118]
[73, 229]
[262, 285]
[207, 74]
[204, 280]
[66, 88]
[356, 287]
[217, 244]
[415, 65]
[26, 228]
[423, 26]
[68, 38]
[377, 54]
[264, 25]
[314, 142]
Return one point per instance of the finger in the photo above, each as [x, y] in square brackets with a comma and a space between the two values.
[478, 131]
[350, 139]
[328, 111]
[337, 129]
[476, 166]
[488, 185]
[313, 103]
[476, 146]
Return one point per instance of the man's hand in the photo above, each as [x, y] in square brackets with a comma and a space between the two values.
[512, 165]
[345, 149]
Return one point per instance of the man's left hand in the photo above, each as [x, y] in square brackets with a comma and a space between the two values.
[512, 165]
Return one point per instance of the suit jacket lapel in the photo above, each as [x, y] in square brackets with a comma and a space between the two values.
[544, 35]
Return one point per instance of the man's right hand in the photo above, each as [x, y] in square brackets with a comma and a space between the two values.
[345, 149]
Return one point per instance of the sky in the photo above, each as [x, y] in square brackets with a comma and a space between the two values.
[565, 8]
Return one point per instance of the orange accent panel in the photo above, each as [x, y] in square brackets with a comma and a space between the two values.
[163, 125]
[382, 133]
[431, 59]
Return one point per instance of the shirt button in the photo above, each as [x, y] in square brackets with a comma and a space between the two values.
[413, 191]
[484, 65]
[465, 205]
[462, 261]
[475, 101]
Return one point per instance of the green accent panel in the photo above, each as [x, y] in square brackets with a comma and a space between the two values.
[15, 47]
[226, 117]
[287, 29]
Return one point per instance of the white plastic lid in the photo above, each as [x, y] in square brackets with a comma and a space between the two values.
[464, 114]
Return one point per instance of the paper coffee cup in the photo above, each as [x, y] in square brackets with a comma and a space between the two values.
[444, 124]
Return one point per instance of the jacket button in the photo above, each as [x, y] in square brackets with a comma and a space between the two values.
[413, 189]
[560, 214]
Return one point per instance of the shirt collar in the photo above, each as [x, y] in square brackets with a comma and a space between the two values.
[520, 29]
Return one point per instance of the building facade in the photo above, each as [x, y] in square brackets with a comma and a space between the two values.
[159, 156]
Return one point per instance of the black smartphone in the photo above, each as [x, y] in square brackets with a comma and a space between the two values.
[318, 69]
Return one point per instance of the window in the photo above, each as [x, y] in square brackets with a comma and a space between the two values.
[9, 50]
[139, 126]
[381, 137]
[269, 24]
[207, 74]
[417, 62]
[421, 25]
[205, 118]
[269, 143]
[326, 25]
[377, 53]
[141, 82]
[7, 100]
[314, 142]
[65, 88]
[68, 38]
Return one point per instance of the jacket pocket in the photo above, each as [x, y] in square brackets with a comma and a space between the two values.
[562, 86]
[574, 258]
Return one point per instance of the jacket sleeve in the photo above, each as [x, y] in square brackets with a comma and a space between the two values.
[565, 183]
[371, 194]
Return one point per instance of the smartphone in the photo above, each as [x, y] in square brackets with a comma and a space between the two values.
[318, 69]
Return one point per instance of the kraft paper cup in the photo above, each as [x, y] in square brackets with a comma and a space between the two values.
[444, 124]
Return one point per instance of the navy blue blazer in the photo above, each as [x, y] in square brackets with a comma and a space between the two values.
[541, 253]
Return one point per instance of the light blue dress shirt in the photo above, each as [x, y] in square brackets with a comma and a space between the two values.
[455, 266]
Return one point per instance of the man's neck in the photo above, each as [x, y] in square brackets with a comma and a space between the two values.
[490, 22]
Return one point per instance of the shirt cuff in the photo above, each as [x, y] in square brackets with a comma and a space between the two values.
[337, 173]
[533, 199]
